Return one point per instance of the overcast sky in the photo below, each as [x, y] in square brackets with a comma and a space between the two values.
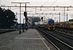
[39, 2]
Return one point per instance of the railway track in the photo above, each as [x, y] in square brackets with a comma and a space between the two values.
[64, 34]
[68, 32]
[59, 41]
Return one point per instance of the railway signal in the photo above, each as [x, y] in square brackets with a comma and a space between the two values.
[42, 18]
[25, 14]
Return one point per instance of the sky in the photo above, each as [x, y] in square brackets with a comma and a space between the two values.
[38, 2]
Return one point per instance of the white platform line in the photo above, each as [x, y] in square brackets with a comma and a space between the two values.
[43, 41]
[27, 38]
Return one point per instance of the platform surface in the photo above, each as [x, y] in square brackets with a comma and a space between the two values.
[28, 40]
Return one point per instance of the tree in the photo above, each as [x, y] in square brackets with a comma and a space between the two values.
[10, 17]
[1, 17]
[7, 18]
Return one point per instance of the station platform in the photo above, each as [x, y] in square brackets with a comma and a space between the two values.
[28, 40]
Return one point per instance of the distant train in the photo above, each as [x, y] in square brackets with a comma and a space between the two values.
[50, 25]
[65, 25]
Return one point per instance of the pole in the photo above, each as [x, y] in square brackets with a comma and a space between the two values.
[20, 19]
[59, 17]
[23, 25]
[25, 7]
[67, 17]
[23, 20]
[64, 14]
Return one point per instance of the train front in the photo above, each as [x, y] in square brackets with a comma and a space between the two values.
[51, 25]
